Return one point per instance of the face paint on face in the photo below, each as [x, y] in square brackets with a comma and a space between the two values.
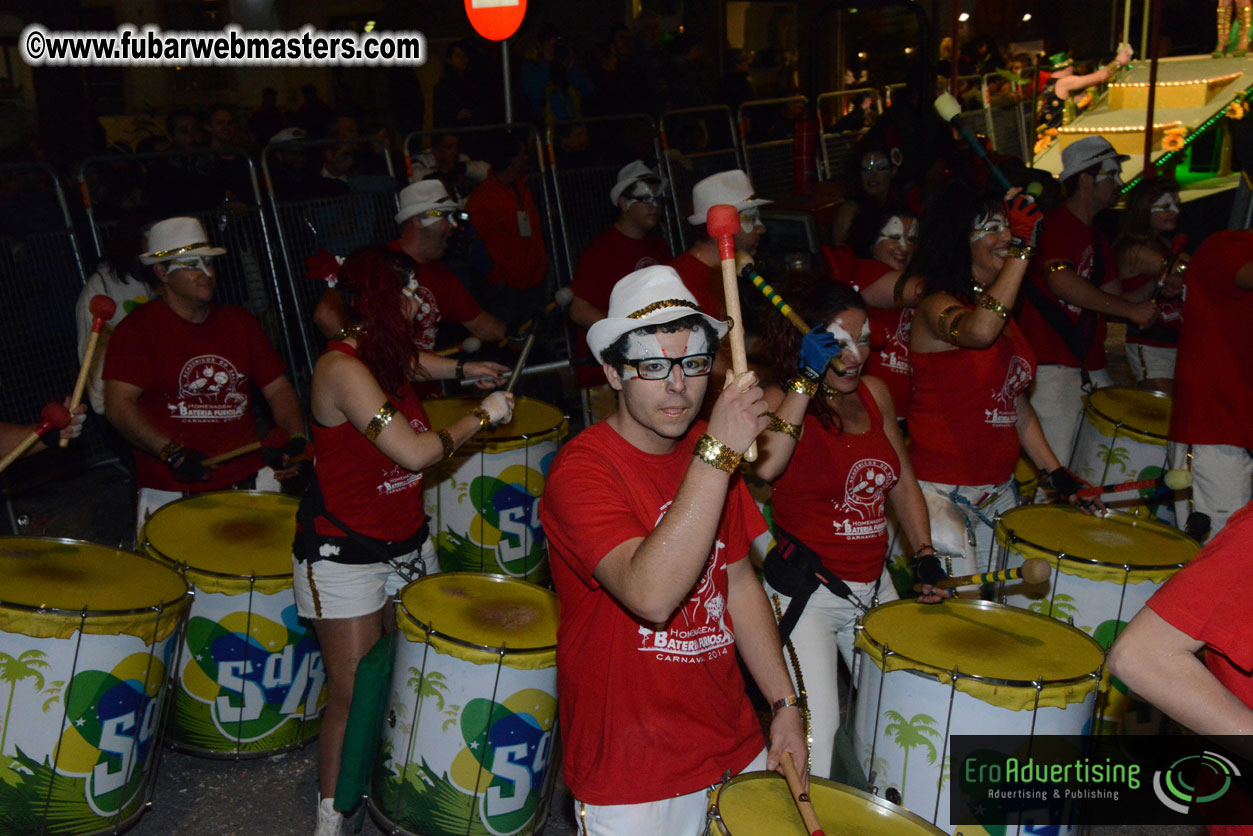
[189, 263]
[1168, 202]
[893, 230]
[988, 225]
[644, 192]
[1110, 170]
[750, 219]
[843, 339]
[410, 290]
[640, 346]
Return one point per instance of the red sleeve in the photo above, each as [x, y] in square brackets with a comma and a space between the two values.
[266, 365]
[455, 303]
[127, 358]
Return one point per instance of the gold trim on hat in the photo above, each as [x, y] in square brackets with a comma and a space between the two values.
[664, 303]
[178, 250]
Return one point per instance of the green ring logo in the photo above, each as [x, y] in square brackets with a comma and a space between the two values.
[1176, 793]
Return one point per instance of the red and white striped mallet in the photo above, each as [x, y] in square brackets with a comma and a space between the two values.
[102, 309]
[275, 439]
[53, 415]
[723, 221]
[469, 346]
[803, 805]
[1171, 480]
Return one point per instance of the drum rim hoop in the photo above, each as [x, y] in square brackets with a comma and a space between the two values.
[182, 566]
[159, 607]
[957, 674]
[1118, 423]
[431, 631]
[561, 428]
[1129, 519]
[882, 803]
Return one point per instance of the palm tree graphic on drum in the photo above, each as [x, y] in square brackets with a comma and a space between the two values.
[1112, 455]
[435, 685]
[14, 670]
[910, 733]
[1062, 608]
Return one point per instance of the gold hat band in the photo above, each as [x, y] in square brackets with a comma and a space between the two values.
[178, 250]
[664, 303]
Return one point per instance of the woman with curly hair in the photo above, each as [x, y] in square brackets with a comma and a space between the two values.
[1151, 265]
[361, 529]
[972, 367]
[835, 455]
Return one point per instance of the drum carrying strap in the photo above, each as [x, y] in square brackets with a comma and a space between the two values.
[364, 548]
[796, 570]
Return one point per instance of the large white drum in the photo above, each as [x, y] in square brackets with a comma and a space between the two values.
[931, 671]
[1123, 439]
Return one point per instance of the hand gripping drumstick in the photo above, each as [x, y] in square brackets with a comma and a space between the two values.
[1171, 480]
[102, 309]
[749, 271]
[53, 415]
[561, 299]
[1033, 570]
[803, 804]
[517, 369]
[469, 346]
[723, 221]
[274, 440]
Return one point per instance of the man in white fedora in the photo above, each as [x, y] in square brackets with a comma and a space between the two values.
[1072, 289]
[649, 526]
[179, 379]
[428, 217]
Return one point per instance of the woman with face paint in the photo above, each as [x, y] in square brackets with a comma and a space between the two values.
[972, 368]
[835, 456]
[1151, 264]
[361, 529]
[868, 190]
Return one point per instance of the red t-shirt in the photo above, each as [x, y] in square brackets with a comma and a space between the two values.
[704, 282]
[608, 258]
[832, 494]
[646, 713]
[1164, 333]
[509, 224]
[889, 335]
[963, 419]
[443, 298]
[1213, 400]
[1065, 238]
[197, 381]
[368, 491]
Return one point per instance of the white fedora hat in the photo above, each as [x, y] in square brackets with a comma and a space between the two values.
[418, 197]
[731, 187]
[175, 237]
[629, 175]
[651, 296]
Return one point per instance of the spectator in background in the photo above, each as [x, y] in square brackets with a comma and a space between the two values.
[868, 190]
[406, 101]
[230, 168]
[313, 115]
[615, 89]
[685, 75]
[266, 119]
[290, 174]
[444, 160]
[456, 93]
[185, 182]
[537, 70]
[566, 89]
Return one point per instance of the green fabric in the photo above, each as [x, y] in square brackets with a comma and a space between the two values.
[845, 766]
[371, 689]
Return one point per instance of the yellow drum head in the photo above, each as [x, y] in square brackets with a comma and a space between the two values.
[760, 804]
[480, 614]
[1139, 412]
[979, 638]
[238, 534]
[1113, 540]
[532, 421]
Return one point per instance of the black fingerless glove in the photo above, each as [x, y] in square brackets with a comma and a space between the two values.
[187, 465]
[281, 457]
[929, 570]
[1064, 482]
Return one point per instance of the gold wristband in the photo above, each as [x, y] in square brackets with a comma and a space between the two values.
[380, 420]
[445, 438]
[485, 417]
[716, 454]
[170, 450]
[1024, 252]
[778, 425]
[950, 320]
[1059, 265]
[786, 702]
[802, 385]
[990, 303]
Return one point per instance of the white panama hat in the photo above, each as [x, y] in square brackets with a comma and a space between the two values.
[175, 237]
[652, 296]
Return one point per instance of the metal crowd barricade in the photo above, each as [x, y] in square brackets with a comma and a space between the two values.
[338, 224]
[581, 191]
[836, 146]
[696, 142]
[246, 275]
[768, 159]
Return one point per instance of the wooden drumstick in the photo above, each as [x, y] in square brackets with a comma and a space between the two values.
[1033, 570]
[747, 269]
[53, 415]
[803, 804]
[1171, 480]
[517, 369]
[723, 221]
[102, 309]
[469, 346]
[274, 439]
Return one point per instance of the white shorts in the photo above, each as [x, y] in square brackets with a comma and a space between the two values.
[325, 589]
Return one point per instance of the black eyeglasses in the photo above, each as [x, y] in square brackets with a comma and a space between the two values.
[659, 368]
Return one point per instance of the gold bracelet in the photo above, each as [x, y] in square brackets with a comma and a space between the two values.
[380, 420]
[1059, 265]
[485, 417]
[990, 303]
[778, 425]
[716, 454]
[948, 329]
[802, 385]
[1024, 252]
[445, 438]
[786, 702]
[170, 450]
[898, 291]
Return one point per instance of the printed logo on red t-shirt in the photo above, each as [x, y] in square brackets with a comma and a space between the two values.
[646, 261]
[1017, 379]
[895, 352]
[427, 320]
[864, 491]
[210, 390]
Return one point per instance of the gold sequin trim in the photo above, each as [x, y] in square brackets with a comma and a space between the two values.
[664, 303]
[779, 425]
[445, 438]
[990, 303]
[1059, 265]
[380, 420]
[950, 321]
[313, 590]
[177, 250]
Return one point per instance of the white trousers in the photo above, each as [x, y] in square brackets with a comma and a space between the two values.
[963, 522]
[1222, 481]
[1057, 398]
[823, 635]
[1151, 361]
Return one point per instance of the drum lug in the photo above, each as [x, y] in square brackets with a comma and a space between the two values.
[391, 719]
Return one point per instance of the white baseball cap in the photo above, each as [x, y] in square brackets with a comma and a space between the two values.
[652, 296]
[732, 187]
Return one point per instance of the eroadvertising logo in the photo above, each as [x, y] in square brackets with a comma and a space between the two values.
[1176, 786]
